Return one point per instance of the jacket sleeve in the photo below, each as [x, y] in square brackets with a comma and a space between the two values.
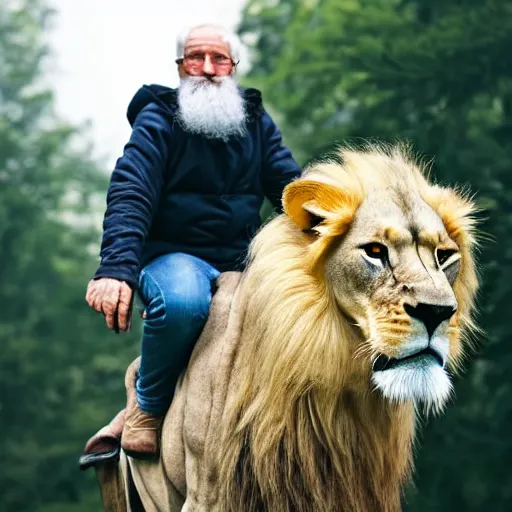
[134, 195]
[279, 166]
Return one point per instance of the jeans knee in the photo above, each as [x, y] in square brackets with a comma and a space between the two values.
[177, 311]
[176, 291]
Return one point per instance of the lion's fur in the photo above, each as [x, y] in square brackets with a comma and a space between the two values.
[277, 410]
[305, 432]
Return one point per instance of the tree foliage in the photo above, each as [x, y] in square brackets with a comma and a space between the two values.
[60, 371]
[438, 75]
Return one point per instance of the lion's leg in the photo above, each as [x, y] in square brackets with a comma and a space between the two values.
[112, 487]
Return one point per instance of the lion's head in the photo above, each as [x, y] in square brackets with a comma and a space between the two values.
[396, 255]
[367, 281]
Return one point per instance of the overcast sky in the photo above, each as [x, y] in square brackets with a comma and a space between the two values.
[104, 50]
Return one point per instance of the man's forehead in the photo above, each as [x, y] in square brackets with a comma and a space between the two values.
[206, 39]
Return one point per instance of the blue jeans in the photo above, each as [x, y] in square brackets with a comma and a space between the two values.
[176, 290]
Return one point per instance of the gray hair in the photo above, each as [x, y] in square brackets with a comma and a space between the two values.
[229, 37]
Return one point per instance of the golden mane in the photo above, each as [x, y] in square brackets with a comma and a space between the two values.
[289, 436]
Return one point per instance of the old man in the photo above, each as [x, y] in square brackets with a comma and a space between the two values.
[182, 206]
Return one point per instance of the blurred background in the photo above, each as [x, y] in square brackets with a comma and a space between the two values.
[435, 72]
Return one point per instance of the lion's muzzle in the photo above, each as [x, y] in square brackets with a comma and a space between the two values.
[417, 369]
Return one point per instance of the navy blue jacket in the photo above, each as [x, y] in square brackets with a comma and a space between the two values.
[173, 191]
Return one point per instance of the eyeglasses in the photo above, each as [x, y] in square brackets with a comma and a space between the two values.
[196, 60]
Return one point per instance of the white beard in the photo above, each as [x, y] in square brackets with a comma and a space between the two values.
[215, 109]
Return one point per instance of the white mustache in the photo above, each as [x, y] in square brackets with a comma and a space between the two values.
[204, 81]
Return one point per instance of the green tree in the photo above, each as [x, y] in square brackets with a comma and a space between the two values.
[438, 75]
[60, 369]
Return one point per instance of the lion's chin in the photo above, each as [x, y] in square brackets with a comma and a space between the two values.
[421, 380]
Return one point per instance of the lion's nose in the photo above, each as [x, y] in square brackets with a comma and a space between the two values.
[430, 314]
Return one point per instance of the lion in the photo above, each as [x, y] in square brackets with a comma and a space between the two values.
[303, 391]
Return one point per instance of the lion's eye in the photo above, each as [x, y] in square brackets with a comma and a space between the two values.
[443, 255]
[376, 251]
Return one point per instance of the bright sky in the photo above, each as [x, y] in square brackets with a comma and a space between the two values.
[104, 50]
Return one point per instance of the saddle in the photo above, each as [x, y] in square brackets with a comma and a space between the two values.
[105, 445]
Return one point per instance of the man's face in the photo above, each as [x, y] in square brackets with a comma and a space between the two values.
[206, 54]
[210, 101]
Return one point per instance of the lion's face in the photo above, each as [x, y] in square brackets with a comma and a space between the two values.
[395, 254]
[393, 273]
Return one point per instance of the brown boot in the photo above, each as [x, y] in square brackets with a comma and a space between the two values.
[141, 432]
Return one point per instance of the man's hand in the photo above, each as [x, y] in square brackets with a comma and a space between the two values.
[113, 298]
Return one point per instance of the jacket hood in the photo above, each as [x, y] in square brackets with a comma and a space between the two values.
[167, 98]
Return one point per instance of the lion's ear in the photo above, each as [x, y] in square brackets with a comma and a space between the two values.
[309, 202]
